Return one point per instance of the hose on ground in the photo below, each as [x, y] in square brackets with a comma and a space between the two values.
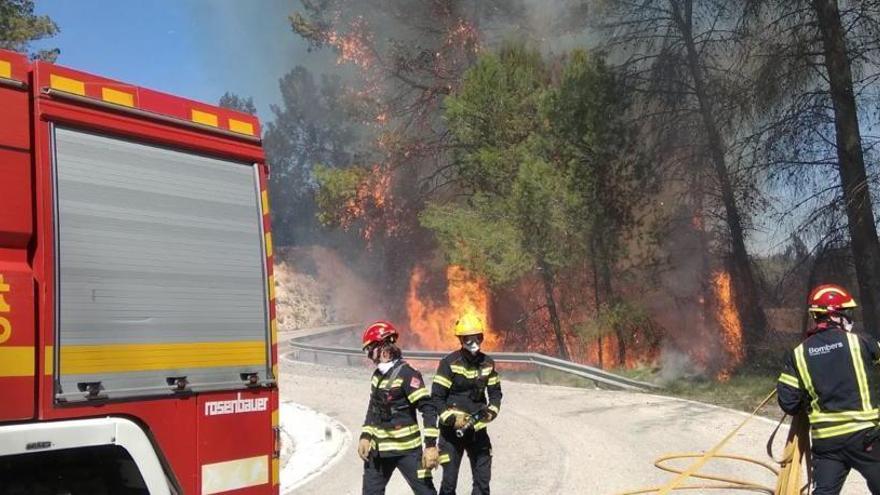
[787, 470]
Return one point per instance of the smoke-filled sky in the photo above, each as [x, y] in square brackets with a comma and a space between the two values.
[200, 49]
[193, 48]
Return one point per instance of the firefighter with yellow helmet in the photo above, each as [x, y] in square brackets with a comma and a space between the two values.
[467, 394]
[827, 376]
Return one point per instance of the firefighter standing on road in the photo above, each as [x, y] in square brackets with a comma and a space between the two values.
[464, 379]
[390, 438]
[828, 377]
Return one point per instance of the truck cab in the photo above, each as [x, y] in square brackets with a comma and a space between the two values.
[138, 349]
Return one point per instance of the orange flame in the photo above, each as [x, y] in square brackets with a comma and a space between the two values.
[371, 203]
[353, 47]
[729, 322]
[434, 322]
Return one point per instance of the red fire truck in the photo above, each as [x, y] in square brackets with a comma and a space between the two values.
[137, 323]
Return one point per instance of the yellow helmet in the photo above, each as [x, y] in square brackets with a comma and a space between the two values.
[468, 324]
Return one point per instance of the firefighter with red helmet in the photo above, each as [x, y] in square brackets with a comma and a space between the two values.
[827, 377]
[390, 438]
[467, 394]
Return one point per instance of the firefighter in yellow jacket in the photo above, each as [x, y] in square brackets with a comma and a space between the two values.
[467, 394]
[828, 377]
[390, 439]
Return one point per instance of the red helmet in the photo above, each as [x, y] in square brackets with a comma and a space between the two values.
[379, 332]
[830, 298]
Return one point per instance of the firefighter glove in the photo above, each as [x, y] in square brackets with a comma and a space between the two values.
[461, 420]
[430, 458]
[364, 448]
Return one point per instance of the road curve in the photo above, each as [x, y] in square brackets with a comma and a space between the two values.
[548, 439]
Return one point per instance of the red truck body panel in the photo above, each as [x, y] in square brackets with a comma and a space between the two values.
[185, 434]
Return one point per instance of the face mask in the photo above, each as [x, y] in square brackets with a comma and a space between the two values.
[385, 367]
[472, 346]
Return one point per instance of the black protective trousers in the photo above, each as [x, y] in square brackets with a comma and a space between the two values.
[378, 471]
[479, 451]
[832, 462]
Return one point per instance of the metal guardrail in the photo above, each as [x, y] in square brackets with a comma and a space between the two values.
[302, 343]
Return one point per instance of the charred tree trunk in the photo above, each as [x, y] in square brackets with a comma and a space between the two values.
[549, 287]
[604, 292]
[611, 300]
[853, 178]
[807, 321]
[745, 289]
[597, 300]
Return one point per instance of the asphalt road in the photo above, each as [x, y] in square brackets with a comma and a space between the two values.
[549, 439]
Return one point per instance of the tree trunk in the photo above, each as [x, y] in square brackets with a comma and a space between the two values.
[611, 299]
[547, 278]
[745, 290]
[856, 194]
[807, 322]
[604, 291]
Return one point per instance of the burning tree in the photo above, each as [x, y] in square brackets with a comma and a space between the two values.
[403, 58]
[682, 57]
[540, 184]
[524, 171]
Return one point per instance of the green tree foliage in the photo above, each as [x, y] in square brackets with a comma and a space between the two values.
[479, 239]
[337, 193]
[548, 170]
[239, 103]
[520, 198]
[493, 117]
[594, 141]
[19, 26]
[310, 127]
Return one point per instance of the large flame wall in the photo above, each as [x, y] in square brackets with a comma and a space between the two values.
[433, 321]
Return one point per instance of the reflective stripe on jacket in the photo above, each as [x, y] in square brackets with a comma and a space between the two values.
[466, 383]
[828, 375]
[390, 423]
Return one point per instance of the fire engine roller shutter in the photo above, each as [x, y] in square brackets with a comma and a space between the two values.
[161, 269]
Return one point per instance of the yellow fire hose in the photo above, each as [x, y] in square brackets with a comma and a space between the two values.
[787, 470]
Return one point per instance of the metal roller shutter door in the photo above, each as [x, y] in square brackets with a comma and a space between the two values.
[161, 268]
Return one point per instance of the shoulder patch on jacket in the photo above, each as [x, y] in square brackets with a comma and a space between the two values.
[415, 382]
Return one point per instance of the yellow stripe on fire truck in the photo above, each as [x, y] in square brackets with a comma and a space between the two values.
[118, 96]
[87, 359]
[16, 361]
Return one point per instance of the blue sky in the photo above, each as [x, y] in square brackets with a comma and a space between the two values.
[193, 48]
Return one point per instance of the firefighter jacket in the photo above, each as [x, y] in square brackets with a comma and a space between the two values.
[828, 375]
[391, 423]
[462, 383]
